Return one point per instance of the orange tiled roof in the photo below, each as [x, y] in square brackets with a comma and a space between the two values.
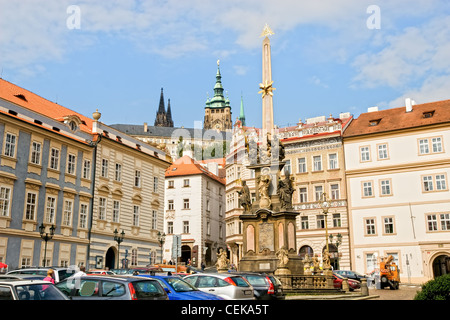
[34, 102]
[186, 166]
[398, 119]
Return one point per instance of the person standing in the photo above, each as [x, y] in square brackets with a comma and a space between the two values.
[50, 276]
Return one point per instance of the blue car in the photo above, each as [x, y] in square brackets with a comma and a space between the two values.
[179, 289]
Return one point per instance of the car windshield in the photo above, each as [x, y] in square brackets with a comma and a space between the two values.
[256, 280]
[39, 292]
[148, 289]
[240, 282]
[179, 285]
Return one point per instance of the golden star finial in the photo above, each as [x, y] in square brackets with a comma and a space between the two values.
[266, 89]
[267, 31]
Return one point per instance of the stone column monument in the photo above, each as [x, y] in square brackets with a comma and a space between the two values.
[269, 223]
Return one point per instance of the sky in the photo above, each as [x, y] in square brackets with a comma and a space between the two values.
[328, 56]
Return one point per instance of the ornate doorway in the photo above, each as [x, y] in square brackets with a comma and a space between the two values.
[110, 259]
[441, 265]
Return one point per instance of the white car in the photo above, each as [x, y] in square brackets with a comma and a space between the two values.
[227, 286]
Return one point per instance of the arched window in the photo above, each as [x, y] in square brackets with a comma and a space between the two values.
[134, 257]
[305, 250]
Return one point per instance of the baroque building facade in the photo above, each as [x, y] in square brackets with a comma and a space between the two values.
[397, 169]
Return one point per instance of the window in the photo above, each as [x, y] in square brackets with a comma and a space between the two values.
[388, 225]
[185, 203]
[320, 221]
[30, 211]
[287, 167]
[170, 184]
[118, 172]
[382, 152]
[438, 222]
[67, 214]
[185, 226]
[83, 216]
[437, 182]
[318, 190]
[104, 172]
[86, 169]
[427, 183]
[367, 189]
[208, 228]
[71, 162]
[370, 226]
[116, 211]
[385, 186]
[364, 154]
[337, 220]
[102, 208]
[136, 216]
[154, 219]
[54, 159]
[50, 210]
[301, 165]
[304, 223]
[423, 146]
[36, 153]
[170, 205]
[137, 178]
[440, 182]
[10, 145]
[170, 227]
[317, 160]
[332, 161]
[432, 222]
[208, 205]
[186, 183]
[155, 184]
[5, 201]
[303, 195]
[371, 262]
[334, 191]
[436, 144]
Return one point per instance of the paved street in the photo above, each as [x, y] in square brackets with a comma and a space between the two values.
[405, 292]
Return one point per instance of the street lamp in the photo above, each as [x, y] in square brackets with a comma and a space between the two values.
[161, 240]
[324, 204]
[45, 236]
[119, 239]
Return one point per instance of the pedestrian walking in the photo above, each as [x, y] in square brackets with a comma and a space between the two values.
[50, 276]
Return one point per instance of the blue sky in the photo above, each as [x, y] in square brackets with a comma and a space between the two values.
[325, 58]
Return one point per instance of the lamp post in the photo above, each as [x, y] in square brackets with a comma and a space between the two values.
[119, 239]
[46, 236]
[161, 240]
[337, 244]
[324, 204]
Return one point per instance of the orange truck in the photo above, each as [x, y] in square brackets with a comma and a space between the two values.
[389, 273]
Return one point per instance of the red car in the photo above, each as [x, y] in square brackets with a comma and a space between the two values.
[352, 284]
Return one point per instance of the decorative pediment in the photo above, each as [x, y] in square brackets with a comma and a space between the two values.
[117, 193]
[103, 188]
[155, 203]
[136, 198]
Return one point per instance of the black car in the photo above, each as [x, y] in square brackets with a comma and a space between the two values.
[105, 287]
[265, 287]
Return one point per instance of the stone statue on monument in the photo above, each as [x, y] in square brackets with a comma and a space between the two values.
[263, 187]
[245, 198]
[285, 190]
[222, 261]
[283, 258]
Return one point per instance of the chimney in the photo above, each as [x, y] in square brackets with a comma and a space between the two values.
[372, 109]
[409, 104]
[145, 127]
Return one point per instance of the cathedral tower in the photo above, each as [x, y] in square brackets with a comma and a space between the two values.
[218, 109]
[163, 118]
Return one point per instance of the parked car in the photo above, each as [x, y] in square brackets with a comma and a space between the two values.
[265, 287]
[352, 284]
[24, 289]
[143, 270]
[225, 285]
[100, 271]
[351, 274]
[22, 276]
[105, 287]
[179, 289]
[60, 273]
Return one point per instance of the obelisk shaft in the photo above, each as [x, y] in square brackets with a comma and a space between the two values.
[267, 100]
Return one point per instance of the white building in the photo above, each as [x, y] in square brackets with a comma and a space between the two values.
[194, 208]
[397, 168]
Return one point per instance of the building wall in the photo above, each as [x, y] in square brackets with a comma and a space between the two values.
[408, 204]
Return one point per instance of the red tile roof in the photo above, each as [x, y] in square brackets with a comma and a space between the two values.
[34, 102]
[399, 119]
[186, 166]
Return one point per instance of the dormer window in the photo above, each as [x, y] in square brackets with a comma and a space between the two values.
[375, 122]
[73, 122]
[21, 97]
[428, 114]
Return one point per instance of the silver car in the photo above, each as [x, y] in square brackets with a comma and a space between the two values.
[227, 286]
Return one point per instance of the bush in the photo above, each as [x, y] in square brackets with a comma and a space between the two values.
[436, 289]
